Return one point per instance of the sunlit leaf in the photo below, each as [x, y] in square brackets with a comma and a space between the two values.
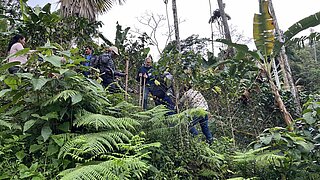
[28, 125]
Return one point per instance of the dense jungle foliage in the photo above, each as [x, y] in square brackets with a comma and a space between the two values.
[55, 123]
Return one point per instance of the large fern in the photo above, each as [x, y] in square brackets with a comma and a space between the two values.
[126, 165]
[113, 169]
[99, 121]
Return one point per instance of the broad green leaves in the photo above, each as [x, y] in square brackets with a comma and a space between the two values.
[263, 29]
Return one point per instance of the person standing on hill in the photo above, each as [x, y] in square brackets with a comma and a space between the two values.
[88, 55]
[105, 63]
[16, 44]
[145, 77]
[195, 99]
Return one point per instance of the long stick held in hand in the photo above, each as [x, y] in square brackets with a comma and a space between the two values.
[144, 87]
[140, 89]
[127, 76]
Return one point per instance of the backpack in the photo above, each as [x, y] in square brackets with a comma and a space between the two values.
[95, 61]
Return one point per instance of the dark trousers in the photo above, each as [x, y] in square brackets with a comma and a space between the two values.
[204, 127]
[167, 101]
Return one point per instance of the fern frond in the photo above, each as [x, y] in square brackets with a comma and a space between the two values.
[93, 144]
[211, 156]
[64, 95]
[99, 121]
[260, 156]
[118, 168]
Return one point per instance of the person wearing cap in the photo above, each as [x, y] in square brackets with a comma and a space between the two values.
[106, 66]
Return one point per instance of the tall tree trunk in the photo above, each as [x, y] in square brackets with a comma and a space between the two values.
[176, 24]
[225, 26]
[285, 66]
[169, 28]
[212, 45]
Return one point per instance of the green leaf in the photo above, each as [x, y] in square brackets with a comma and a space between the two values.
[65, 127]
[39, 82]
[28, 125]
[58, 139]
[52, 149]
[34, 148]
[20, 155]
[263, 28]
[9, 65]
[46, 132]
[76, 98]
[37, 10]
[266, 140]
[307, 147]
[54, 60]
[303, 24]
[65, 53]
[309, 118]
[12, 82]
[25, 75]
[47, 8]
[4, 91]
[240, 47]
[62, 71]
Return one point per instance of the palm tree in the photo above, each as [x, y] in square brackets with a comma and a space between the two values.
[86, 8]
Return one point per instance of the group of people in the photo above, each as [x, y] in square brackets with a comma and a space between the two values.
[105, 64]
[162, 93]
[160, 87]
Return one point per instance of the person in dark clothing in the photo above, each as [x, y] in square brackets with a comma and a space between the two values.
[145, 74]
[105, 63]
[162, 91]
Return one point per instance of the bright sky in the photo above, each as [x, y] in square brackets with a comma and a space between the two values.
[195, 15]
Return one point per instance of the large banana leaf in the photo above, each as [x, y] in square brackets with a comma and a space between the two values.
[303, 24]
[263, 29]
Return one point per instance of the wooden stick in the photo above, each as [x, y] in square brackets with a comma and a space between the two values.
[143, 91]
[127, 77]
[140, 89]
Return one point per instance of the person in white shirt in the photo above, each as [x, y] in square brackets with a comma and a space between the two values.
[16, 44]
[195, 99]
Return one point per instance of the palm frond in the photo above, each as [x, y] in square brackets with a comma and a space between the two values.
[86, 8]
